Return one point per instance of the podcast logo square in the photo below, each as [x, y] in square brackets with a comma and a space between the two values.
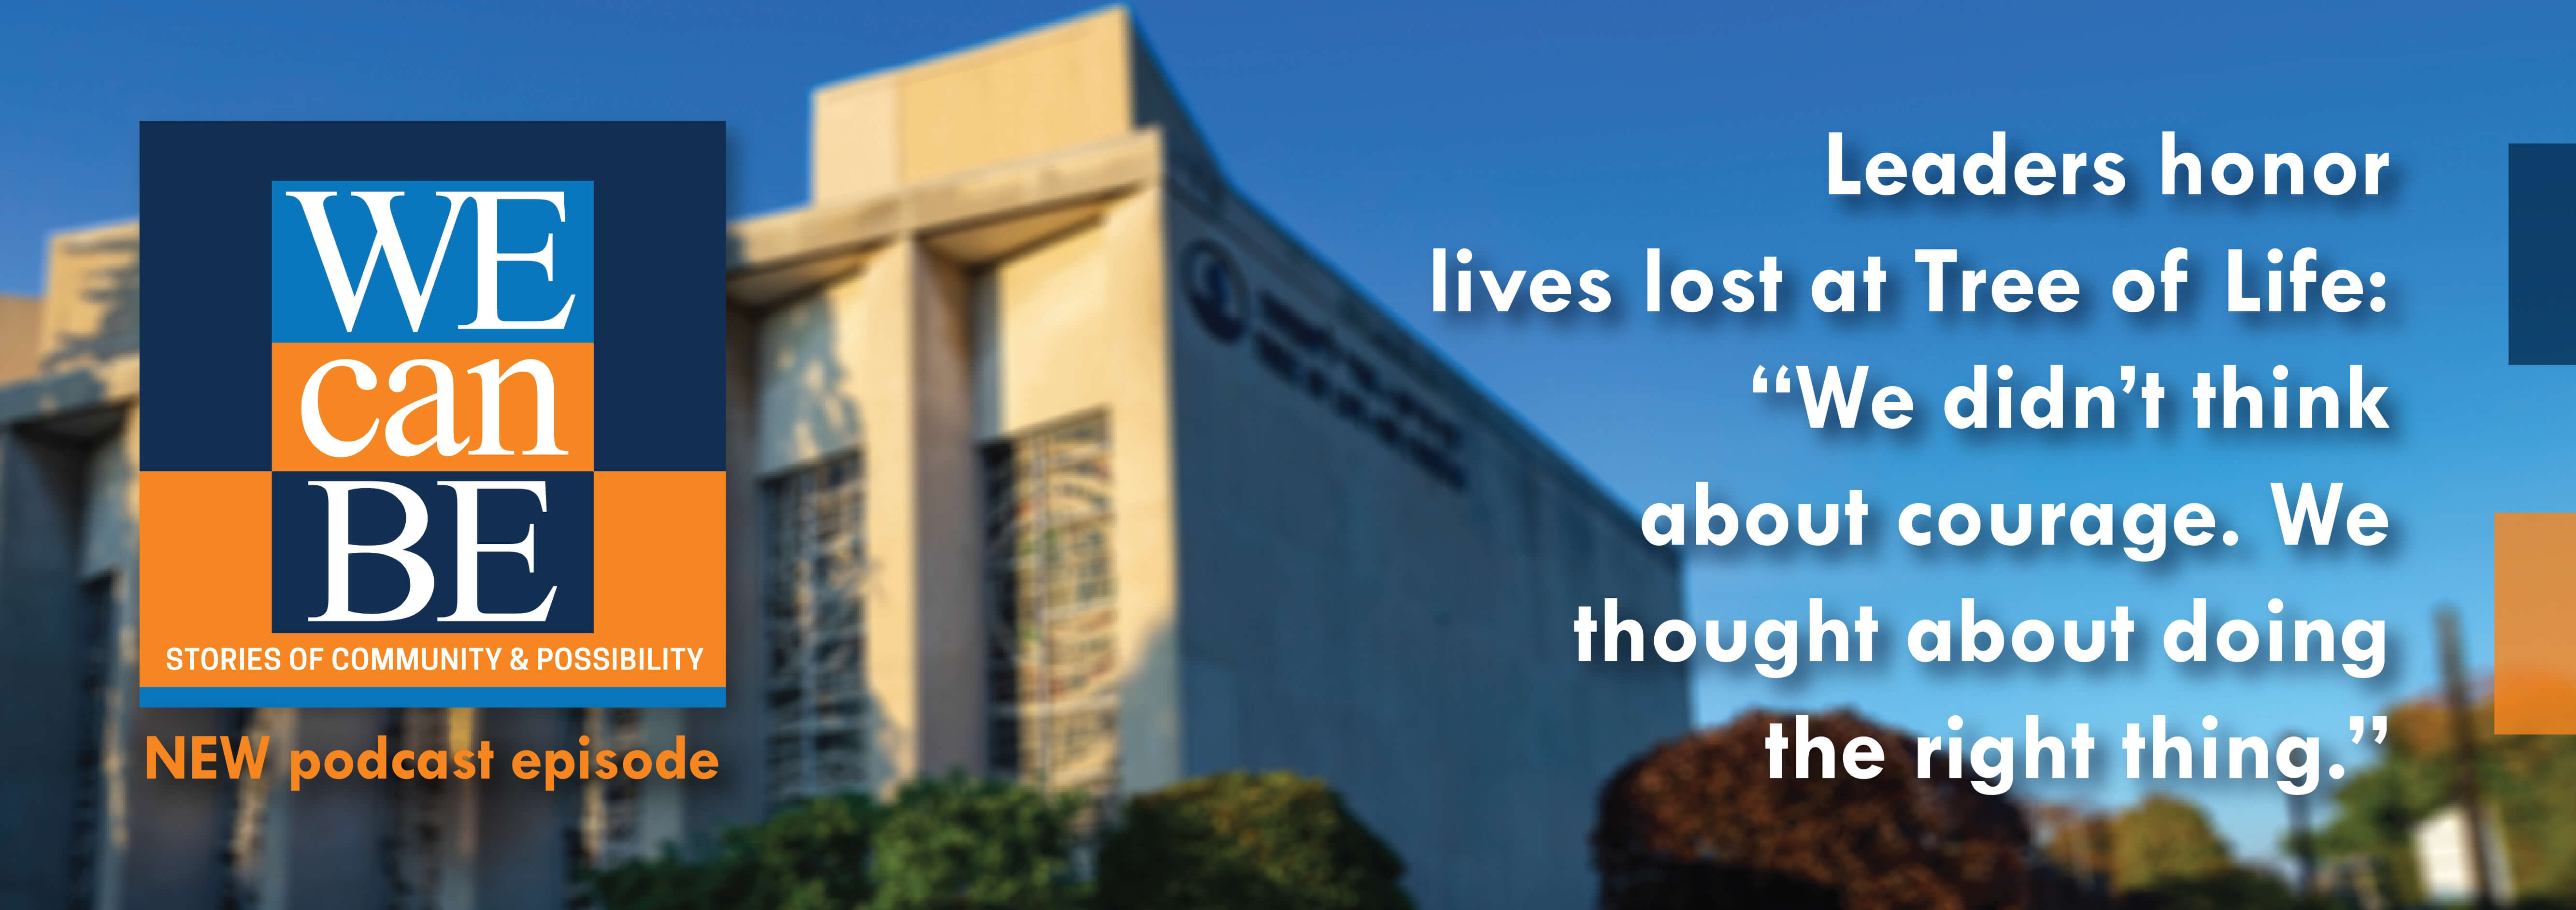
[458, 462]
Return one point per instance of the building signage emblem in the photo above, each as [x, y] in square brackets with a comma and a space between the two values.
[1323, 363]
[1215, 290]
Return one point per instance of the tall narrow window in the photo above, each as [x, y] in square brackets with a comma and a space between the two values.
[1052, 593]
[817, 571]
[611, 831]
[89, 794]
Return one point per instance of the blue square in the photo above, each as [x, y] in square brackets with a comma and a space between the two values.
[2541, 254]
[469, 260]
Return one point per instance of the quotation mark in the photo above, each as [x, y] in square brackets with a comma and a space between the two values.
[2378, 726]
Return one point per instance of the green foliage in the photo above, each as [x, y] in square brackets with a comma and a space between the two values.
[2161, 842]
[1238, 841]
[1229, 842]
[809, 857]
[2531, 780]
[960, 843]
[2161, 854]
[2232, 888]
[2377, 809]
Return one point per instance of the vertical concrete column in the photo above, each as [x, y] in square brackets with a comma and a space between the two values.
[948, 604]
[1150, 739]
[924, 616]
[277, 833]
[738, 732]
[882, 378]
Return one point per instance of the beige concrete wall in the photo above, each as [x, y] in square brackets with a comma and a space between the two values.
[91, 299]
[21, 319]
[882, 360]
[808, 354]
[885, 359]
[1295, 588]
[1053, 88]
[1055, 323]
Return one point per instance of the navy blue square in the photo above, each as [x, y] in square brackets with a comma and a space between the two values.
[2541, 254]
[658, 264]
[380, 582]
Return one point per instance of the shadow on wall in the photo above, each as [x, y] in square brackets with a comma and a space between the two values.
[804, 385]
[113, 293]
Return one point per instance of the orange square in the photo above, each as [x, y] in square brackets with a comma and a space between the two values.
[204, 569]
[353, 403]
[659, 568]
[2535, 623]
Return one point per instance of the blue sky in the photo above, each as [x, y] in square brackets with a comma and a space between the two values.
[1573, 137]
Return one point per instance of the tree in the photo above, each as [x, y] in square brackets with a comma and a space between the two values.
[2229, 888]
[961, 843]
[951, 843]
[1240, 841]
[1233, 841]
[2163, 841]
[2531, 780]
[1700, 822]
[2160, 854]
[2078, 842]
[812, 856]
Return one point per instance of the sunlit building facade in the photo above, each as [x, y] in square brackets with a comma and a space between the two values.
[1052, 458]
[1153, 492]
